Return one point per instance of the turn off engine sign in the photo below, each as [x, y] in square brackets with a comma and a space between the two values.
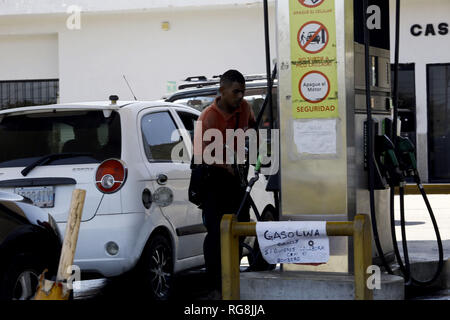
[313, 55]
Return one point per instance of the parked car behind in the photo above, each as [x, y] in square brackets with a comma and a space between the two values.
[134, 163]
[200, 92]
[29, 243]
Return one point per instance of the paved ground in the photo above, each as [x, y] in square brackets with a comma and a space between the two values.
[421, 243]
[419, 229]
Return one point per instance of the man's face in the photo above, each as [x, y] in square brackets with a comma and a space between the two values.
[232, 94]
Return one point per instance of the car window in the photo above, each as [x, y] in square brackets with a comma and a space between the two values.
[24, 138]
[188, 120]
[160, 135]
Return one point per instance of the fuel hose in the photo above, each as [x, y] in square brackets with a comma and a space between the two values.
[405, 267]
[370, 145]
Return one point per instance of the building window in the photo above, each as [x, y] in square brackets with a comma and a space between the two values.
[22, 93]
[406, 99]
[438, 90]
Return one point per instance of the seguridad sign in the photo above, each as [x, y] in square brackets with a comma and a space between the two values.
[313, 59]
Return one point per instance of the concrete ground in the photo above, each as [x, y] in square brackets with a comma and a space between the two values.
[420, 234]
[421, 244]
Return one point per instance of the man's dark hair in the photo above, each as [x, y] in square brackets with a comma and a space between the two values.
[231, 76]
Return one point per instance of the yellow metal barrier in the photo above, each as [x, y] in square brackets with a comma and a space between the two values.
[231, 230]
[430, 188]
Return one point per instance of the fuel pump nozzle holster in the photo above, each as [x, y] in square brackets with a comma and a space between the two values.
[386, 157]
[405, 151]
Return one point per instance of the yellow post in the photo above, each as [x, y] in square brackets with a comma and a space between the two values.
[229, 243]
[48, 290]
[362, 243]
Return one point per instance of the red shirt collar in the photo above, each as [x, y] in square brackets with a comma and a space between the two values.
[227, 116]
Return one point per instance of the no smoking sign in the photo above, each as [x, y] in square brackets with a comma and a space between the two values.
[311, 3]
[312, 37]
[314, 87]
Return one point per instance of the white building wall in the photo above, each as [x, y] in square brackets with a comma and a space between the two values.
[92, 60]
[24, 7]
[198, 43]
[29, 57]
[422, 50]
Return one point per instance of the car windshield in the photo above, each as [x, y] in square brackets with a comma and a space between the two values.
[27, 137]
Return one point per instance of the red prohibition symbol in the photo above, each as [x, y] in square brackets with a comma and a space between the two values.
[314, 86]
[312, 37]
[311, 3]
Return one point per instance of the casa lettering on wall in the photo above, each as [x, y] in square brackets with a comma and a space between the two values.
[429, 29]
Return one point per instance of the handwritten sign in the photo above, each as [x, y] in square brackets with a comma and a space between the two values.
[293, 242]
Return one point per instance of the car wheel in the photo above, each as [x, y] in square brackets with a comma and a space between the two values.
[21, 278]
[158, 268]
[256, 261]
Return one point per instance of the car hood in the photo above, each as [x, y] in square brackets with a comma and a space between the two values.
[23, 210]
[7, 196]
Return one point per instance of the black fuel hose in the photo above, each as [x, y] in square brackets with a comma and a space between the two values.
[394, 236]
[269, 79]
[266, 100]
[370, 146]
[438, 237]
[406, 267]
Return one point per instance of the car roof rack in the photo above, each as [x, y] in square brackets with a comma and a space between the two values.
[252, 77]
[202, 81]
[198, 84]
[196, 78]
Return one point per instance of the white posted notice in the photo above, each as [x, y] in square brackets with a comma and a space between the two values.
[316, 136]
[293, 241]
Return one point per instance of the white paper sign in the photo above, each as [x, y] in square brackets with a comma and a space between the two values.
[317, 136]
[293, 241]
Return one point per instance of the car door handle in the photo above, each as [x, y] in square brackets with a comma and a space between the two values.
[162, 179]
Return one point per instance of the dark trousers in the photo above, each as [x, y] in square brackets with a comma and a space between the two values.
[223, 195]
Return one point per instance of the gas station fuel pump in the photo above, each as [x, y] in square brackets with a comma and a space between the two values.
[341, 153]
[324, 132]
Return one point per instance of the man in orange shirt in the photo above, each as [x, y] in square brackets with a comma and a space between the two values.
[223, 189]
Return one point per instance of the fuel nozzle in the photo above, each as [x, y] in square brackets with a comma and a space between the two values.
[385, 154]
[406, 152]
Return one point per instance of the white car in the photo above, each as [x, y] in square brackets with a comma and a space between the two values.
[136, 207]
